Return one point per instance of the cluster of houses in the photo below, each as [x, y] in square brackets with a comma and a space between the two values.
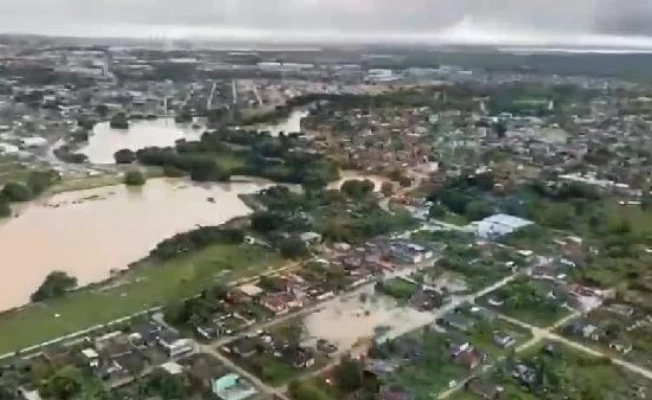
[611, 325]
[121, 354]
[250, 348]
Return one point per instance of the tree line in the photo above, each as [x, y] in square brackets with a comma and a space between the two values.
[36, 183]
[280, 159]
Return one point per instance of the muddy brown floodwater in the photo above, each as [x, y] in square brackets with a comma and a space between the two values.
[89, 233]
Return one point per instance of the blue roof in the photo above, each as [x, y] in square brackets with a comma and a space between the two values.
[232, 387]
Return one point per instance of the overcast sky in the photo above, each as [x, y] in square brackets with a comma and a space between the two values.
[459, 20]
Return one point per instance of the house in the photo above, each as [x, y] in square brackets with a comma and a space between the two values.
[503, 340]
[145, 333]
[174, 345]
[300, 357]
[495, 301]
[327, 347]
[202, 369]
[485, 390]
[310, 238]
[275, 304]
[410, 253]
[250, 290]
[499, 225]
[30, 394]
[427, 300]
[244, 347]
[586, 330]
[468, 356]
[232, 387]
[524, 374]
[91, 357]
[381, 368]
[458, 321]
[172, 368]
[482, 314]
[457, 349]
[623, 348]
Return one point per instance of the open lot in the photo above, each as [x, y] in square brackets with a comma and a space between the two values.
[618, 329]
[421, 363]
[555, 372]
[361, 316]
[147, 285]
[534, 302]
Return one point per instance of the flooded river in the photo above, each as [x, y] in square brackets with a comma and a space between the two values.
[162, 132]
[89, 233]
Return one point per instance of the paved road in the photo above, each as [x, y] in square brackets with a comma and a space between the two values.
[262, 386]
[547, 333]
[537, 336]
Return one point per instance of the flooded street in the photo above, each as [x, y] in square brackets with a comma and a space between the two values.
[162, 132]
[89, 233]
[363, 319]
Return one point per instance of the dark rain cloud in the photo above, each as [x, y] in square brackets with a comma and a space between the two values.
[619, 17]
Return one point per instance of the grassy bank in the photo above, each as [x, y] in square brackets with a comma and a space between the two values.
[98, 181]
[147, 285]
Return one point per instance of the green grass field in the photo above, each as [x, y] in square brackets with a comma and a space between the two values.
[12, 170]
[145, 286]
[229, 162]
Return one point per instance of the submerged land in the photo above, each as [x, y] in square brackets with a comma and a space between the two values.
[201, 224]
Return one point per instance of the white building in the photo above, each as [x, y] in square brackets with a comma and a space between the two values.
[499, 225]
[34, 141]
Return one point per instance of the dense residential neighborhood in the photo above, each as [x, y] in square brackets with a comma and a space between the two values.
[360, 226]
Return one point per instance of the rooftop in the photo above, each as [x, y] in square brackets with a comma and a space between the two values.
[232, 387]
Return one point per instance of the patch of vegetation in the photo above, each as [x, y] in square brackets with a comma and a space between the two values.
[56, 284]
[398, 288]
[149, 283]
[134, 178]
[536, 303]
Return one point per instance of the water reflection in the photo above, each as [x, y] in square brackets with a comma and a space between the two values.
[163, 132]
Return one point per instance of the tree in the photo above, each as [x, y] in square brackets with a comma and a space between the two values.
[173, 172]
[167, 386]
[357, 189]
[405, 181]
[102, 110]
[124, 156]
[5, 208]
[134, 178]
[313, 183]
[293, 248]
[437, 211]
[500, 128]
[56, 284]
[348, 375]
[17, 192]
[39, 181]
[478, 209]
[387, 189]
[266, 221]
[80, 135]
[119, 121]
[65, 384]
